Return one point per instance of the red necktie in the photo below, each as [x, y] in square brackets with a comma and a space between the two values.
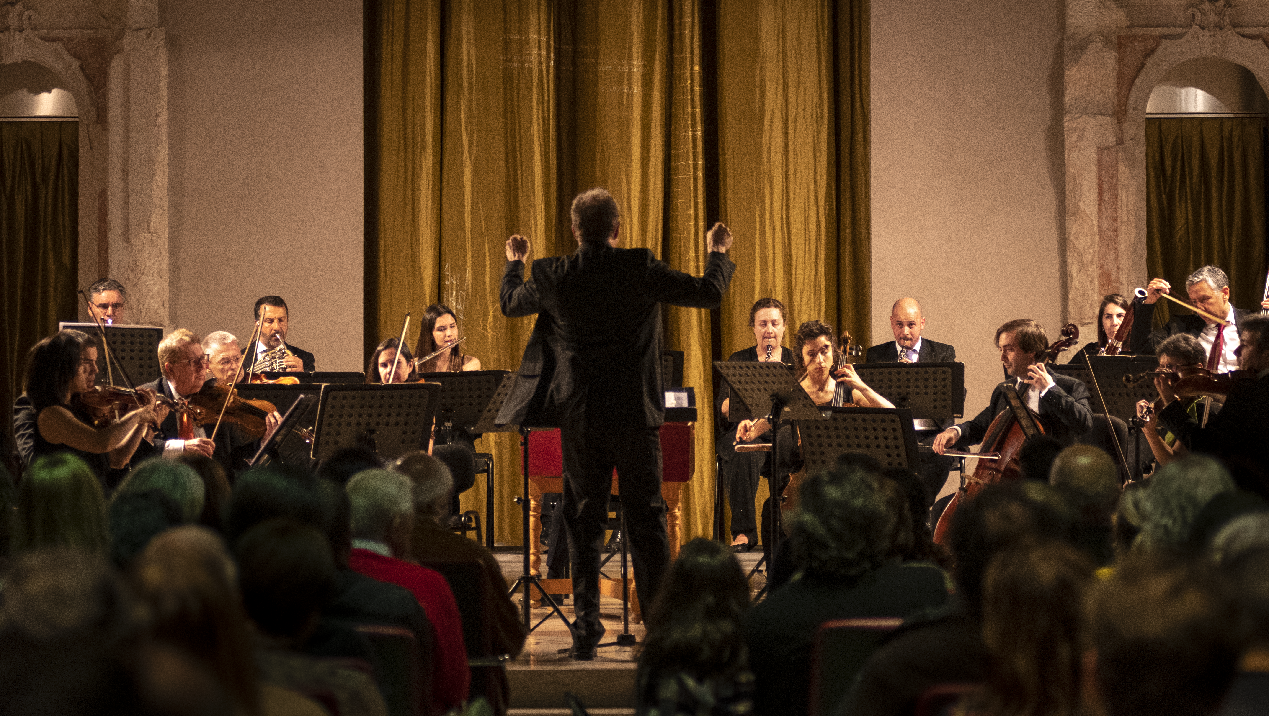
[1218, 347]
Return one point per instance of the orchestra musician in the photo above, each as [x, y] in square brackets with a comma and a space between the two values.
[107, 301]
[740, 472]
[1060, 402]
[272, 352]
[1109, 317]
[908, 346]
[224, 356]
[1236, 435]
[1178, 353]
[1208, 289]
[47, 420]
[183, 368]
[440, 329]
[593, 367]
[379, 367]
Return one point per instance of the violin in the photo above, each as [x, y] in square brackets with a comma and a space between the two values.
[103, 403]
[248, 414]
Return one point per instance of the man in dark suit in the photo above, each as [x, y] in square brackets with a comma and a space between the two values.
[1060, 402]
[907, 323]
[184, 370]
[1207, 289]
[272, 314]
[592, 367]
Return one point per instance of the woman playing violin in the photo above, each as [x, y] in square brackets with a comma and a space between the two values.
[440, 329]
[1110, 315]
[49, 420]
[380, 367]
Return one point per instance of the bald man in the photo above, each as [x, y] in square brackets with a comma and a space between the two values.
[908, 346]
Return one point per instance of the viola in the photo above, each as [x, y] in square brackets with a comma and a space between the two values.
[248, 414]
[104, 403]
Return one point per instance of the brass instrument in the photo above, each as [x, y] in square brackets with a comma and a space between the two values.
[272, 360]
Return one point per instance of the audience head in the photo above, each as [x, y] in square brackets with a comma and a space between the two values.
[382, 504]
[596, 218]
[1163, 638]
[695, 621]
[190, 584]
[265, 493]
[216, 488]
[287, 574]
[342, 464]
[843, 527]
[1032, 598]
[1036, 456]
[432, 484]
[59, 505]
[1127, 520]
[64, 362]
[1089, 471]
[174, 479]
[135, 518]
[1174, 496]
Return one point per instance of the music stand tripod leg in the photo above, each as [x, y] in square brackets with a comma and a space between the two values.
[528, 579]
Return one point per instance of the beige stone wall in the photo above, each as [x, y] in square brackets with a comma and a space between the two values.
[967, 170]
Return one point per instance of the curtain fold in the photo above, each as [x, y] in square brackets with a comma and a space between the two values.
[1205, 203]
[39, 220]
[492, 116]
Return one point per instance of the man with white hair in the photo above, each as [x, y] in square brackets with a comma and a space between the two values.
[224, 355]
[382, 507]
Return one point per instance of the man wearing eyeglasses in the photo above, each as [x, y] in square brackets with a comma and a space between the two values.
[184, 368]
[108, 300]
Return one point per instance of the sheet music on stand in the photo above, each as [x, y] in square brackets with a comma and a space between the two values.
[935, 391]
[136, 347]
[1121, 399]
[883, 433]
[752, 384]
[465, 396]
[392, 420]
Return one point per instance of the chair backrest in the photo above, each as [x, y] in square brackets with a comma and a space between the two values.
[546, 455]
[407, 690]
[939, 698]
[465, 581]
[840, 649]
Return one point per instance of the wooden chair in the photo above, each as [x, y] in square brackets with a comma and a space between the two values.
[407, 689]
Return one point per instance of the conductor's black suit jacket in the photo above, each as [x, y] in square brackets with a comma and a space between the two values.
[1064, 411]
[598, 331]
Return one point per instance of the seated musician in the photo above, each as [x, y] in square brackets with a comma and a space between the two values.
[1237, 435]
[49, 419]
[1060, 402]
[1110, 315]
[107, 299]
[908, 346]
[440, 329]
[224, 356]
[272, 353]
[184, 371]
[379, 369]
[1207, 289]
[1178, 354]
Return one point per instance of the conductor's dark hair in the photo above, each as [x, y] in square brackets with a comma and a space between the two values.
[808, 332]
[765, 303]
[1028, 333]
[694, 626]
[275, 301]
[595, 216]
[52, 363]
[1110, 298]
[107, 284]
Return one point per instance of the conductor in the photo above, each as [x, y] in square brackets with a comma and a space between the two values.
[592, 367]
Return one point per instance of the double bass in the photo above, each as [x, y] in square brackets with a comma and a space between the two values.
[998, 456]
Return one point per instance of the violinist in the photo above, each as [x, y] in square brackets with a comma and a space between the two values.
[1208, 289]
[379, 369]
[740, 472]
[48, 418]
[1238, 434]
[1110, 315]
[1060, 402]
[1178, 355]
[440, 329]
[224, 356]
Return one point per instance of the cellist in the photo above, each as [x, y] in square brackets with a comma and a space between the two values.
[1060, 402]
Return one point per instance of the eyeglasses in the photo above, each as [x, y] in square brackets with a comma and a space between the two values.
[192, 362]
[108, 306]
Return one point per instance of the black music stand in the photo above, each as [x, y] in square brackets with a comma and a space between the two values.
[291, 442]
[391, 420]
[281, 395]
[935, 391]
[767, 390]
[135, 348]
[1121, 398]
[883, 433]
[349, 377]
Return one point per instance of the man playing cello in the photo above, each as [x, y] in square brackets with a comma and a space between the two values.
[1060, 402]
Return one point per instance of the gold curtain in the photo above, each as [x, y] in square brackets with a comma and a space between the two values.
[487, 118]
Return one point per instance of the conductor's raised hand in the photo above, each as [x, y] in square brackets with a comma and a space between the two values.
[517, 248]
[718, 238]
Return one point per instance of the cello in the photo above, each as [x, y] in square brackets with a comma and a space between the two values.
[998, 456]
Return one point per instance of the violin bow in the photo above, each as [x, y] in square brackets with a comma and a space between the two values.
[1110, 425]
[396, 359]
[255, 336]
